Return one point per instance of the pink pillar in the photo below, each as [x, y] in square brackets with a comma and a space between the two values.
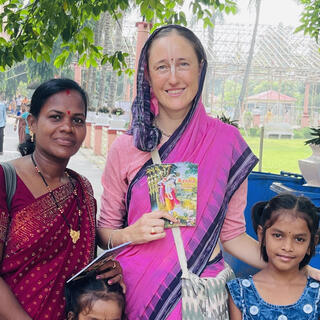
[97, 140]
[87, 140]
[77, 74]
[305, 116]
[256, 120]
[142, 36]
[112, 135]
[127, 97]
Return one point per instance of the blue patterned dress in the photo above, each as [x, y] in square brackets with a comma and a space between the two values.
[252, 306]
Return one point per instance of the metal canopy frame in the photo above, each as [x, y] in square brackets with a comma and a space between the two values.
[279, 53]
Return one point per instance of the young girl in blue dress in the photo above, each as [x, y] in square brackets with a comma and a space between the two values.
[287, 229]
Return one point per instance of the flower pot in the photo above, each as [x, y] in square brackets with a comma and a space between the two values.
[310, 167]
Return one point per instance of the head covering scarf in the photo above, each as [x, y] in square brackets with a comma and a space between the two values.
[145, 135]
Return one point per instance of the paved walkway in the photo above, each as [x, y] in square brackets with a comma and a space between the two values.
[84, 162]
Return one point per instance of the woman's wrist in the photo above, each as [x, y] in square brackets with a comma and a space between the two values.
[117, 237]
[125, 235]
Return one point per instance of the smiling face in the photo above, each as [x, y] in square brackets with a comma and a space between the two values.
[287, 241]
[60, 127]
[174, 72]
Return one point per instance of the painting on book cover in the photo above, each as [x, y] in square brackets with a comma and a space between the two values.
[173, 188]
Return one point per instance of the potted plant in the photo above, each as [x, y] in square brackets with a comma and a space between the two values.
[315, 133]
[310, 167]
[228, 120]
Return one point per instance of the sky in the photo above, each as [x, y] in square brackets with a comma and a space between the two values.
[272, 12]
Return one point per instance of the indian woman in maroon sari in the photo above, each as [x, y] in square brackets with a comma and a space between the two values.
[48, 234]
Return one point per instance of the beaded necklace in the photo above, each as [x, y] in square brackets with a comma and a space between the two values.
[74, 234]
[163, 133]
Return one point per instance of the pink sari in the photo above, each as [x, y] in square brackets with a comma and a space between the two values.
[152, 271]
[39, 255]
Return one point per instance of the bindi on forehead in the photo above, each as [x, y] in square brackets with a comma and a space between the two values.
[68, 112]
[68, 92]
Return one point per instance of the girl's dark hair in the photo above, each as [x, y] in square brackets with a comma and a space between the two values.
[263, 214]
[81, 294]
[185, 33]
[39, 98]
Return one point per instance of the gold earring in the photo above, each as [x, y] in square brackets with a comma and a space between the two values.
[31, 135]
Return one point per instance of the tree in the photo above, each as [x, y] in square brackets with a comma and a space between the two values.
[113, 83]
[108, 47]
[34, 26]
[243, 91]
[40, 72]
[310, 22]
[91, 72]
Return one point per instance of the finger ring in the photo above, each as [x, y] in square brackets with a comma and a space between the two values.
[152, 230]
[114, 265]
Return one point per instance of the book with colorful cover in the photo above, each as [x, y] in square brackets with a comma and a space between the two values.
[173, 188]
[99, 261]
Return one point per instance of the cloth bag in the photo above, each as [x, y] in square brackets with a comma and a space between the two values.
[202, 298]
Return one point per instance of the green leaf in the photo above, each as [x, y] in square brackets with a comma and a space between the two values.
[93, 62]
[39, 58]
[82, 59]
[66, 34]
[61, 59]
[149, 14]
[46, 57]
[104, 60]
[18, 53]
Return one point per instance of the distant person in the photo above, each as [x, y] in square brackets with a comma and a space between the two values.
[269, 116]
[91, 298]
[22, 122]
[18, 101]
[25, 101]
[2, 123]
[12, 107]
[287, 229]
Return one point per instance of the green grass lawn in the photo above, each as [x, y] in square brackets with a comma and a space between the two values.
[279, 154]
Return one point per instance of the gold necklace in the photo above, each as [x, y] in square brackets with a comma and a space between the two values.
[74, 234]
[163, 133]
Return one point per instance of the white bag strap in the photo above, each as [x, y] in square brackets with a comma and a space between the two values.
[175, 231]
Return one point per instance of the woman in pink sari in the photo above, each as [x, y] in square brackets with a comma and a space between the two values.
[47, 232]
[168, 114]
